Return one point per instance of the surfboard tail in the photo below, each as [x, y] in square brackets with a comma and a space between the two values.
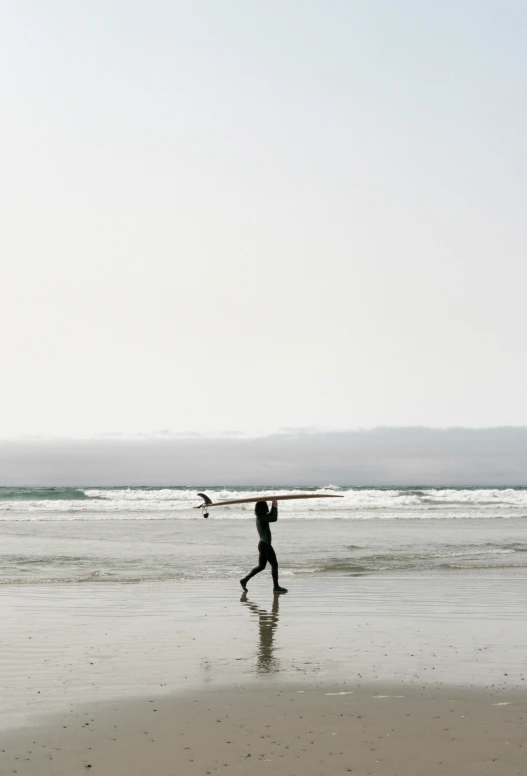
[206, 502]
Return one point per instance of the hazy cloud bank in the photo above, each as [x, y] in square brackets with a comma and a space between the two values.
[384, 456]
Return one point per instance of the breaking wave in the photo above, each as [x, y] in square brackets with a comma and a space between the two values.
[178, 502]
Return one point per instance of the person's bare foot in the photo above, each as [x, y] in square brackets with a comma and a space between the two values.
[280, 589]
[243, 583]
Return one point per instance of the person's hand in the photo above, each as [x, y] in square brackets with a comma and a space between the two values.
[275, 503]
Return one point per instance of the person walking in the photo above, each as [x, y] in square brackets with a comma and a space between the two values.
[266, 552]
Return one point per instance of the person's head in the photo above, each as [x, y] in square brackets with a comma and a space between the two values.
[261, 509]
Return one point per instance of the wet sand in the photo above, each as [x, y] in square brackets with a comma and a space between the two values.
[184, 678]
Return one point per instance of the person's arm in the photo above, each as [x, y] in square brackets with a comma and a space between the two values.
[273, 514]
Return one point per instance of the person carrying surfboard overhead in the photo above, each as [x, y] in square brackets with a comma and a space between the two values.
[265, 549]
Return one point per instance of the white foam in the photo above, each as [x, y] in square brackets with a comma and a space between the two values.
[359, 504]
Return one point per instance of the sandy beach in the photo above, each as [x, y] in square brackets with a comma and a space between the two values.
[363, 675]
[378, 729]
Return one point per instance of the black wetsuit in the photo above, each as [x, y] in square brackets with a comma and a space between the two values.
[265, 550]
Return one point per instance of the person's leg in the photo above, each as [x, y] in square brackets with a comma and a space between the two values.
[271, 557]
[262, 563]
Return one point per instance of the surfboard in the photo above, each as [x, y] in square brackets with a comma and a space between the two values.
[253, 499]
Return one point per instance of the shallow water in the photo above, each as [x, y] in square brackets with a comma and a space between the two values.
[136, 550]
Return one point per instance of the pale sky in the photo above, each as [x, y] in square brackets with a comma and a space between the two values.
[251, 216]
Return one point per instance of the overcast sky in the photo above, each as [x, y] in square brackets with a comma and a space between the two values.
[253, 216]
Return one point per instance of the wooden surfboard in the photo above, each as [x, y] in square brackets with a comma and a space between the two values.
[253, 499]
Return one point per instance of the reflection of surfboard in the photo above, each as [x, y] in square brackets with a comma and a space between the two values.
[208, 503]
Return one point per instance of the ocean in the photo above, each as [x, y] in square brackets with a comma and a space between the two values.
[138, 534]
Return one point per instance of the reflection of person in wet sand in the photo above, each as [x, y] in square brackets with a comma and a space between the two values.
[268, 622]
